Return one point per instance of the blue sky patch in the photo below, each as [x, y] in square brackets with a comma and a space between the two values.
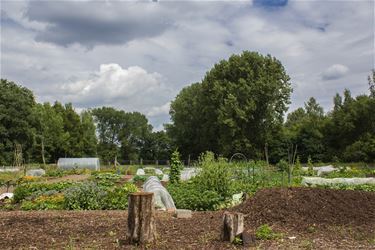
[270, 3]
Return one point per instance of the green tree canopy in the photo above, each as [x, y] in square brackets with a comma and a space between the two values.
[16, 120]
[236, 108]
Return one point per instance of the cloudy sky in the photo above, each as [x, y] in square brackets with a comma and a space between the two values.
[138, 55]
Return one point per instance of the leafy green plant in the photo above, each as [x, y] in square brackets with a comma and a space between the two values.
[176, 167]
[362, 187]
[265, 232]
[282, 165]
[24, 190]
[214, 175]
[43, 202]
[7, 205]
[106, 180]
[117, 198]
[139, 178]
[345, 172]
[85, 196]
[237, 240]
[188, 195]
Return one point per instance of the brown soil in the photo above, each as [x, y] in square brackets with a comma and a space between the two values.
[286, 210]
[302, 207]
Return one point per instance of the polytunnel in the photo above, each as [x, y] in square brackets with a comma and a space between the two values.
[80, 163]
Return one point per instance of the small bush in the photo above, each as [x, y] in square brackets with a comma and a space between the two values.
[215, 175]
[85, 196]
[188, 195]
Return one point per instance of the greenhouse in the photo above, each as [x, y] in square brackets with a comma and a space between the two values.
[79, 163]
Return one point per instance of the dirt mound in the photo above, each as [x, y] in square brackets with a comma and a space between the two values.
[301, 207]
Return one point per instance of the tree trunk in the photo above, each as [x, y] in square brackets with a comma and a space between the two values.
[141, 218]
[233, 226]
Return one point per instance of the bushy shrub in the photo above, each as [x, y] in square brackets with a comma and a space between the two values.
[188, 195]
[117, 198]
[176, 168]
[85, 196]
[214, 175]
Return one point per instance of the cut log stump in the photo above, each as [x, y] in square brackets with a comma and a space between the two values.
[232, 226]
[141, 218]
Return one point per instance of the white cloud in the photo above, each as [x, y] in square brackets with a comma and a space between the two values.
[160, 110]
[131, 89]
[113, 82]
[335, 71]
[306, 36]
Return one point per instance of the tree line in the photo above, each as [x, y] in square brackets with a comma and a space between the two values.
[46, 132]
[239, 106]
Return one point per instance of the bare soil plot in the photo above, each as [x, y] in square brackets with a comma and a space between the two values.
[281, 208]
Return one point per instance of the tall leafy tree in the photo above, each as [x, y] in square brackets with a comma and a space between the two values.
[88, 135]
[157, 146]
[187, 128]
[350, 132]
[133, 135]
[50, 134]
[109, 123]
[16, 119]
[305, 128]
[238, 106]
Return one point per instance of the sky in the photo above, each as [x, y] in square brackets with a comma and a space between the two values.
[138, 55]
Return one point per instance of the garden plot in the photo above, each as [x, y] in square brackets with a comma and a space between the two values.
[302, 218]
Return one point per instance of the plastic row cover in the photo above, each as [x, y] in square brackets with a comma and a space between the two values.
[162, 197]
[314, 181]
[322, 170]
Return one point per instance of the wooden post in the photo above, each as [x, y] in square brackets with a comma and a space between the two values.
[233, 226]
[141, 218]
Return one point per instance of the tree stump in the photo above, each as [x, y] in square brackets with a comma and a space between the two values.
[233, 226]
[141, 218]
